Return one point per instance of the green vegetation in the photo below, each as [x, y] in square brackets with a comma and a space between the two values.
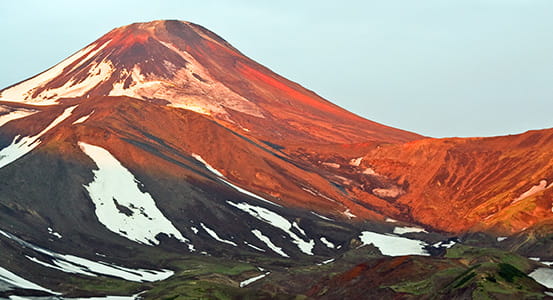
[463, 272]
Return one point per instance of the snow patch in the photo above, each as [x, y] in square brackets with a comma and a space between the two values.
[14, 115]
[326, 262]
[321, 216]
[23, 145]
[265, 239]
[207, 165]
[23, 92]
[327, 243]
[355, 161]
[202, 94]
[391, 192]
[277, 221]
[83, 118]
[369, 171]
[390, 220]
[222, 178]
[501, 238]
[97, 74]
[253, 279]
[214, 235]
[543, 276]
[78, 265]
[331, 165]
[254, 247]
[533, 190]
[297, 227]
[393, 245]
[54, 233]
[120, 205]
[348, 214]
[445, 244]
[407, 229]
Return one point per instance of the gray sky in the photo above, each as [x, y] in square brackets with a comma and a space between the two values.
[436, 67]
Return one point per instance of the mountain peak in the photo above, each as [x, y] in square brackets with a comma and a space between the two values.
[184, 65]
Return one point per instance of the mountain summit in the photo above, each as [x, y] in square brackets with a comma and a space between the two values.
[184, 65]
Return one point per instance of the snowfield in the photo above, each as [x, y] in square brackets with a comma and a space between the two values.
[120, 205]
[543, 276]
[393, 245]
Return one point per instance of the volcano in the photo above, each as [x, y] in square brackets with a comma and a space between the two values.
[160, 159]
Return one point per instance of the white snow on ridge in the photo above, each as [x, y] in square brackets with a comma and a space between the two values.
[120, 205]
[78, 265]
[207, 165]
[265, 239]
[23, 91]
[19, 282]
[321, 216]
[393, 245]
[83, 118]
[407, 229]
[253, 279]
[277, 221]
[222, 178]
[214, 235]
[23, 145]
[254, 247]
[14, 115]
[96, 75]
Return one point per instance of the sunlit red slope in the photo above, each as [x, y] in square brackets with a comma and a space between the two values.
[502, 184]
[184, 65]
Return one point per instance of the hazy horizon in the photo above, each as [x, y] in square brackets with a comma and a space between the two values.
[456, 68]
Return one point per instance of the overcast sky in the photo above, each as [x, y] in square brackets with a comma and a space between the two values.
[436, 67]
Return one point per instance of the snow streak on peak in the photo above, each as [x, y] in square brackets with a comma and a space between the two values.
[137, 63]
[24, 91]
[23, 145]
[11, 115]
